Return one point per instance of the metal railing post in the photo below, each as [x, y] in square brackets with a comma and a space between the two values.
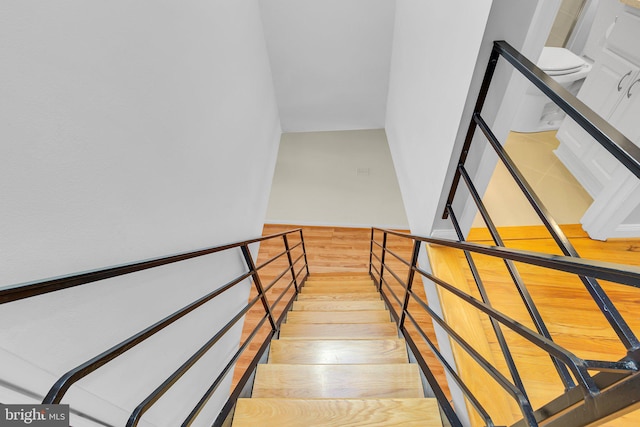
[293, 273]
[412, 269]
[382, 258]
[304, 252]
[258, 284]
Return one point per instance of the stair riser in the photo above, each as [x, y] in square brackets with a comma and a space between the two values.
[338, 317]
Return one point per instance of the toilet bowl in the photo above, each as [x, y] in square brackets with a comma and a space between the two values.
[536, 112]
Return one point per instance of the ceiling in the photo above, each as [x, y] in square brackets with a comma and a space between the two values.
[330, 61]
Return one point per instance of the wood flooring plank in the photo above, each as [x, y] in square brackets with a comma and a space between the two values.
[338, 331]
[337, 381]
[378, 316]
[322, 352]
[337, 413]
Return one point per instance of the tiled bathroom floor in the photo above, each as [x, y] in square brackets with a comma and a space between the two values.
[560, 192]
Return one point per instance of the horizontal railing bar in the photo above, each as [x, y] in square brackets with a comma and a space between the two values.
[602, 131]
[282, 294]
[61, 386]
[39, 287]
[620, 398]
[207, 395]
[374, 268]
[300, 271]
[393, 294]
[463, 387]
[235, 394]
[298, 259]
[178, 373]
[604, 366]
[270, 260]
[377, 244]
[395, 276]
[620, 273]
[254, 363]
[502, 342]
[527, 300]
[606, 306]
[376, 257]
[577, 365]
[274, 281]
[398, 257]
[392, 310]
[479, 359]
[572, 397]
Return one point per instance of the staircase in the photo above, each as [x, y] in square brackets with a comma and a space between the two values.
[338, 362]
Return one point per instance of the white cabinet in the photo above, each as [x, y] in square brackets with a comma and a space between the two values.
[612, 90]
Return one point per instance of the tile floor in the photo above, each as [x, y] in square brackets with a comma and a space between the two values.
[559, 190]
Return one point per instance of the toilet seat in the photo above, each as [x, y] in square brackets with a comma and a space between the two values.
[558, 61]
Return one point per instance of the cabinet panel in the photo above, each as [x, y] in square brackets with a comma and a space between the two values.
[609, 79]
[626, 117]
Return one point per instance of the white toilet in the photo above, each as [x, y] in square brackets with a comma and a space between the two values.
[536, 112]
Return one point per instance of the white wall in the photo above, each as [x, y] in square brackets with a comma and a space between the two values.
[439, 56]
[316, 181]
[331, 61]
[434, 53]
[130, 129]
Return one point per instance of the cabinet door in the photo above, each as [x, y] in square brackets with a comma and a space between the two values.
[607, 82]
[604, 91]
[626, 117]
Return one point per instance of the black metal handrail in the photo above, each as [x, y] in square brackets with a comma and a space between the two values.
[58, 390]
[623, 274]
[587, 397]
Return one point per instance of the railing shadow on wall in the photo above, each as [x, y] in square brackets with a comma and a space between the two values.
[588, 397]
[275, 297]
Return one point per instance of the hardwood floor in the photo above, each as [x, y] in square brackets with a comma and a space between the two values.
[562, 300]
[572, 317]
[344, 251]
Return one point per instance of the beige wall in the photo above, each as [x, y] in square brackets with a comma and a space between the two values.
[564, 23]
[316, 180]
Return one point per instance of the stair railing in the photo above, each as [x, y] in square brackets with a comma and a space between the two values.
[587, 397]
[296, 267]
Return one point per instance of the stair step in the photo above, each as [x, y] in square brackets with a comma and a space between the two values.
[339, 297]
[338, 331]
[337, 413]
[339, 283]
[339, 277]
[322, 352]
[315, 305]
[338, 289]
[378, 316]
[337, 381]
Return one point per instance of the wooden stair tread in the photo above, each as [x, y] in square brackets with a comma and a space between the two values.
[338, 289]
[410, 412]
[338, 330]
[340, 297]
[338, 305]
[337, 381]
[323, 352]
[335, 283]
[378, 316]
